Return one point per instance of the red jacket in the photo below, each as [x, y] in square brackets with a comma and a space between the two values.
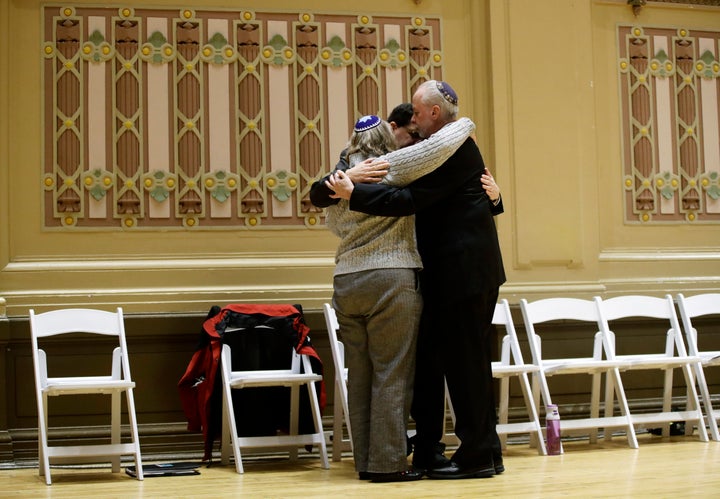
[200, 395]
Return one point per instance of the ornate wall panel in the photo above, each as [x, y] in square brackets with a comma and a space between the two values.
[670, 90]
[187, 119]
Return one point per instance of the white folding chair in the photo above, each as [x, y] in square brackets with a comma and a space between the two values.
[340, 411]
[101, 327]
[649, 358]
[512, 365]
[560, 309]
[294, 377]
[690, 308]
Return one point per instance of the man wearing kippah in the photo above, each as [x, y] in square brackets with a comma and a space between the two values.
[460, 281]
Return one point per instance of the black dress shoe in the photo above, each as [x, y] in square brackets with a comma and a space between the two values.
[397, 476]
[429, 461]
[453, 471]
[498, 465]
[364, 475]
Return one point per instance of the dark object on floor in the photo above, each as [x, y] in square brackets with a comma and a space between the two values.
[677, 428]
[166, 469]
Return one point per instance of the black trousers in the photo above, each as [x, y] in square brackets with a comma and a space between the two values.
[455, 343]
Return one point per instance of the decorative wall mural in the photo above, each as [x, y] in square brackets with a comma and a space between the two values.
[670, 87]
[217, 119]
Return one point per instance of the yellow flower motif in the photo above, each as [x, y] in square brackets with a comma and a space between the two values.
[49, 182]
[271, 182]
[146, 51]
[128, 124]
[69, 123]
[232, 182]
[129, 184]
[292, 182]
[148, 183]
[309, 69]
[168, 51]
[247, 16]
[628, 182]
[691, 217]
[252, 221]
[306, 18]
[312, 221]
[251, 125]
[190, 222]
[86, 49]
[646, 183]
[69, 221]
[288, 53]
[187, 14]
[69, 182]
[250, 68]
[228, 52]
[267, 53]
[69, 64]
[170, 183]
[692, 183]
[207, 52]
[48, 49]
[67, 12]
[126, 12]
[209, 182]
[128, 65]
[191, 184]
[88, 181]
[660, 182]
[645, 217]
[417, 21]
[325, 54]
[364, 19]
[189, 124]
[253, 184]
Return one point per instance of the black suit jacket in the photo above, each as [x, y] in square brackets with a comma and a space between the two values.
[456, 233]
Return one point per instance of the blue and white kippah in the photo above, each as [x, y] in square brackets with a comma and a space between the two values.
[367, 122]
[447, 92]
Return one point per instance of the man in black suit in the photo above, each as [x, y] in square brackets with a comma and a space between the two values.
[463, 271]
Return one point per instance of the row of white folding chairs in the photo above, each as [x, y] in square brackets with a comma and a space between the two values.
[605, 360]
[661, 349]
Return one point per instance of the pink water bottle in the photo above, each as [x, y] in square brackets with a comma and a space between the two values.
[552, 429]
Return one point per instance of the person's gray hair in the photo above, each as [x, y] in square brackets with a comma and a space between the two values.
[431, 95]
[373, 142]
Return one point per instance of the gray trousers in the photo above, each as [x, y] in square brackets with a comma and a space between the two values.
[378, 312]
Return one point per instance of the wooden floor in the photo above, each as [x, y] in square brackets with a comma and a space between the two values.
[660, 468]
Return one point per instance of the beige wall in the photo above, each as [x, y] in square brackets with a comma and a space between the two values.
[540, 80]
